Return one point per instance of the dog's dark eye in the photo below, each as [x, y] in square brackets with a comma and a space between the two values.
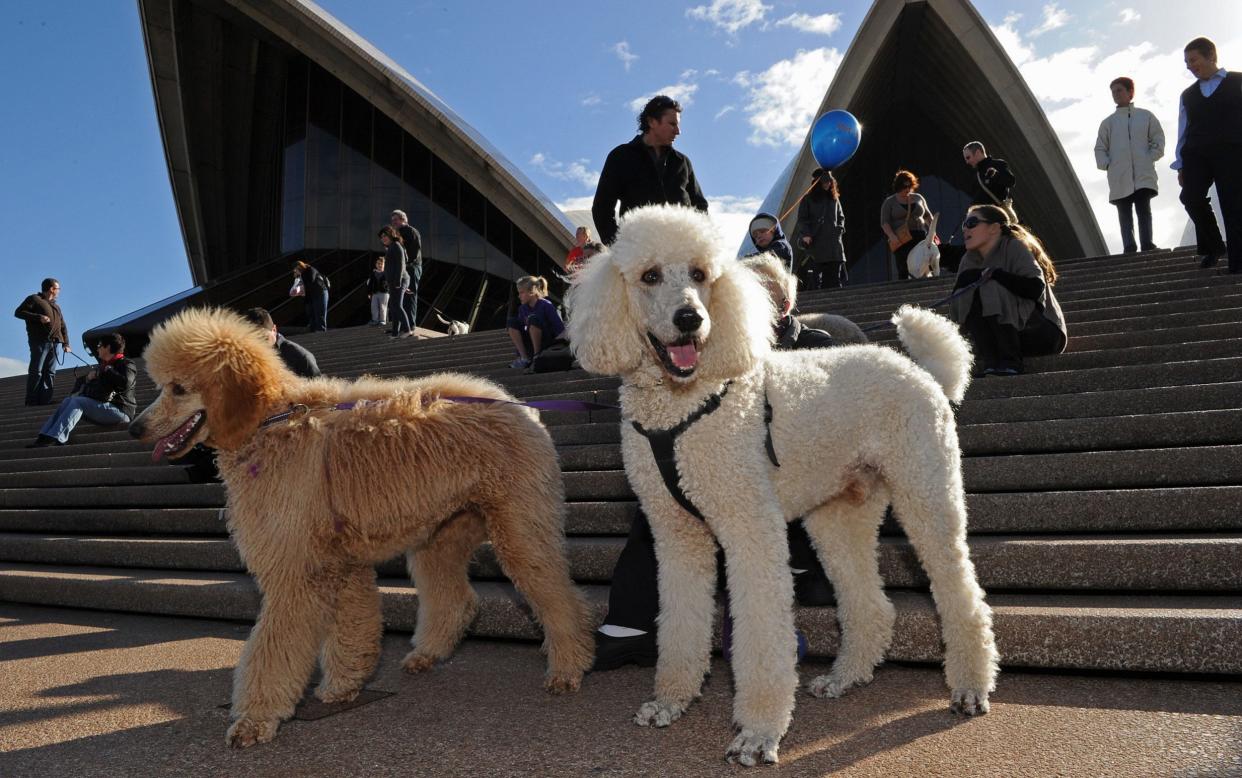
[698, 276]
[652, 276]
[178, 389]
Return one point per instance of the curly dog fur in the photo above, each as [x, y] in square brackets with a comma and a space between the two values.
[316, 501]
[854, 428]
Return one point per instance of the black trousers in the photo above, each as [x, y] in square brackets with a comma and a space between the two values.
[830, 275]
[1002, 346]
[634, 599]
[1220, 165]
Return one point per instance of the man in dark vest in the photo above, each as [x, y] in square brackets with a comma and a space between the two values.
[993, 178]
[45, 327]
[1209, 150]
[647, 170]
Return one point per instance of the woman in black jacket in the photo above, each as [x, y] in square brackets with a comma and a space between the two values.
[315, 287]
[820, 230]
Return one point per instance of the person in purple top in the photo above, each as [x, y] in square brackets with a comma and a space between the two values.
[536, 324]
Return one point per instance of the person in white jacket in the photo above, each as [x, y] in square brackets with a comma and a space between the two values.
[1130, 142]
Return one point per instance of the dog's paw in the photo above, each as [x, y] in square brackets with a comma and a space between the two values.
[658, 714]
[832, 685]
[246, 732]
[969, 702]
[750, 748]
[563, 683]
[331, 693]
[415, 662]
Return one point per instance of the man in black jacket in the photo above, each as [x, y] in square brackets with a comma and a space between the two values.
[993, 178]
[647, 170]
[45, 327]
[107, 396]
[413, 243]
[296, 357]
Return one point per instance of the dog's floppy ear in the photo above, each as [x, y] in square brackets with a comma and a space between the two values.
[741, 315]
[602, 332]
[243, 379]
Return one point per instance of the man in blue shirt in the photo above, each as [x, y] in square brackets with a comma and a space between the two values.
[1209, 150]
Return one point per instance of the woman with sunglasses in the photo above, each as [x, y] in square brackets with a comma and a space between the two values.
[1012, 313]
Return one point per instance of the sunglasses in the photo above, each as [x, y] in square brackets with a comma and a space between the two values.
[974, 221]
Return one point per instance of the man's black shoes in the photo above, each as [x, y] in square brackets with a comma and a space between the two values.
[611, 653]
[1208, 260]
[44, 441]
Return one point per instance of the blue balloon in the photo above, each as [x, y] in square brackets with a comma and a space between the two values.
[834, 138]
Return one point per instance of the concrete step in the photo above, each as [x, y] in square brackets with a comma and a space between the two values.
[1119, 377]
[1196, 428]
[1195, 634]
[1185, 563]
[1178, 509]
[1159, 399]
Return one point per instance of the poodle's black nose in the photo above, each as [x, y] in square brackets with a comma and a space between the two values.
[687, 320]
[136, 429]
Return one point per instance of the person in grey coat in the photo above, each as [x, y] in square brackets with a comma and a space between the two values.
[398, 281]
[1129, 143]
[820, 231]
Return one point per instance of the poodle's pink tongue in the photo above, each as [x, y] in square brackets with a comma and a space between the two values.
[683, 356]
[175, 439]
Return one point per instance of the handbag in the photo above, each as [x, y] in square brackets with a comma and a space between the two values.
[903, 232]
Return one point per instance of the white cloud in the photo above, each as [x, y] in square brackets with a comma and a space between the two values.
[1054, 17]
[783, 99]
[731, 216]
[1129, 16]
[591, 100]
[622, 50]
[730, 15]
[824, 24]
[682, 92]
[727, 109]
[12, 367]
[1072, 87]
[576, 171]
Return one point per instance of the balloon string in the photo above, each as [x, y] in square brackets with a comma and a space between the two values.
[794, 205]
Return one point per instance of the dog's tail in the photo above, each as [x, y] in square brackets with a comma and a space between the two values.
[936, 345]
[443, 320]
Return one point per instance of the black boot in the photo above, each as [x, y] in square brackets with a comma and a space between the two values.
[611, 653]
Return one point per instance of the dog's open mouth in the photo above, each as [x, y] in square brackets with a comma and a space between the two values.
[680, 358]
[175, 442]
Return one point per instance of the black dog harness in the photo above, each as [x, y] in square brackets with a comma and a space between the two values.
[663, 443]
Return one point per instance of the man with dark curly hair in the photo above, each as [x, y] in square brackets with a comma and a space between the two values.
[647, 170]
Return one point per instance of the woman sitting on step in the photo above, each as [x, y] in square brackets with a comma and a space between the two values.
[1013, 313]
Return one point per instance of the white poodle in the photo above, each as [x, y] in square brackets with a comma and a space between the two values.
[853, 428]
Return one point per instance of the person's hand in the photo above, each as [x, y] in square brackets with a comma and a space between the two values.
[48, 320]
[806, 240]
[68, 349]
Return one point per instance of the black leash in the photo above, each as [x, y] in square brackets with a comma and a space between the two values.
[956, 294]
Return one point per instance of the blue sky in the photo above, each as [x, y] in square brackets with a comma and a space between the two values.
[85, 194]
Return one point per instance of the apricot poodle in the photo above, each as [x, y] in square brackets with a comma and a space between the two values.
[357, 473]
[717, 423]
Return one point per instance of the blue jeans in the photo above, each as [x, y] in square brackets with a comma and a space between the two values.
[1141, 202]
[42, 371]
[317, 309]
[396, 311]
[71, 411]
[409, 302]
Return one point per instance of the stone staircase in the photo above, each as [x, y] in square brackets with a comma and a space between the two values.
[1104, 486]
